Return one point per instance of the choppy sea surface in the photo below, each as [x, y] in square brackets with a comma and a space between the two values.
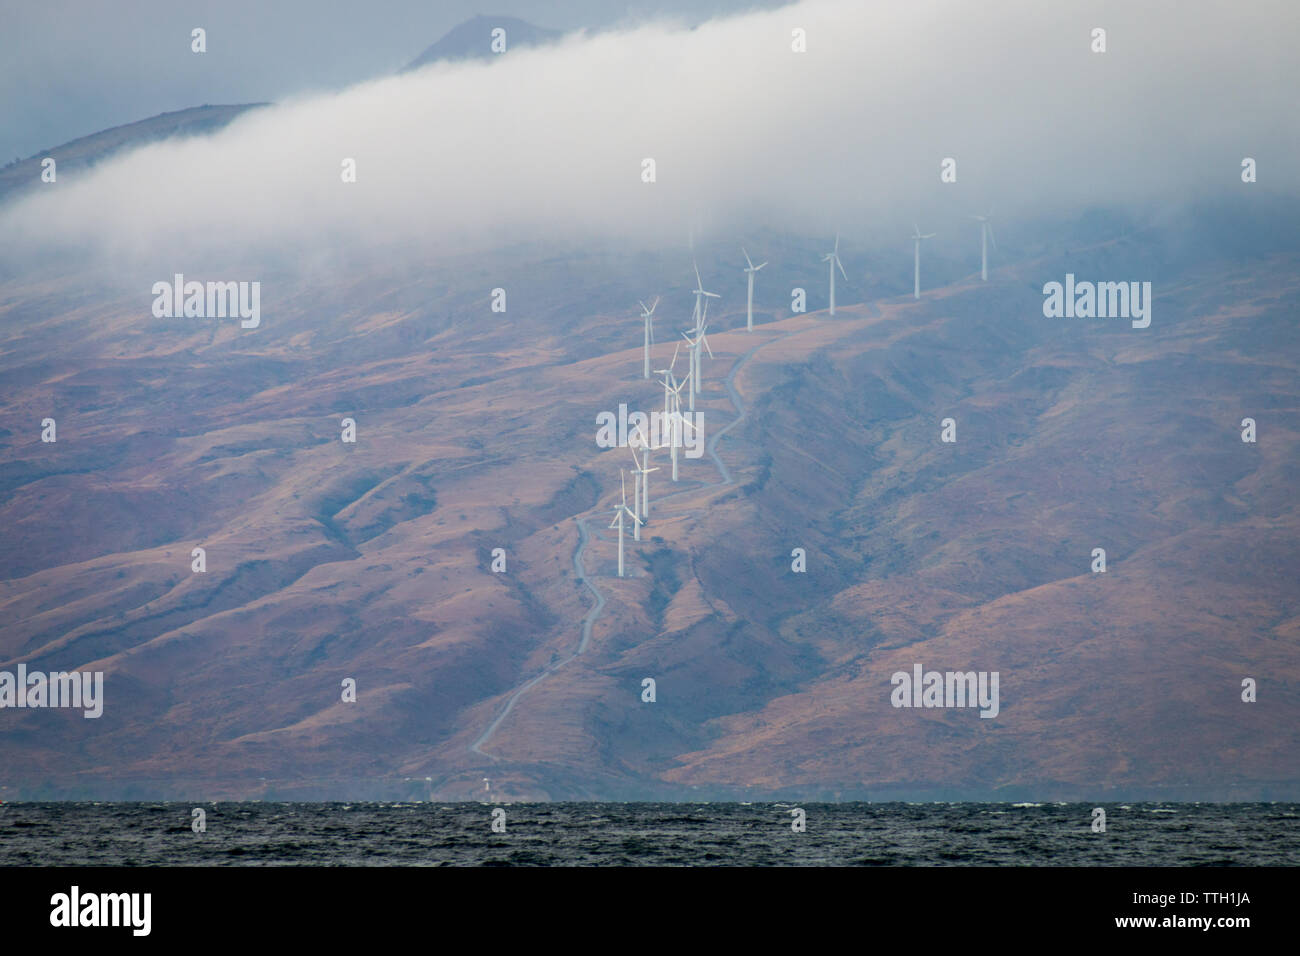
[655, 834]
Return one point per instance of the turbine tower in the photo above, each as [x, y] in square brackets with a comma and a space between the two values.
[642, 469]
[986, 233]
[673, 410]
[646, 314]
[620, 511]
[916, 260]
[749, 306]
[675, 420]
[700, 294]
[695, 343]
[678, 423]
[834, 259]
[669, 381]
[636, 491]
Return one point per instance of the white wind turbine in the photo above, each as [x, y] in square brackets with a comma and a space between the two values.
[700, 295]
[986, 234]
[704, 340]
[749, 306]
[673, 404]
[673, 407]
[620, 511]
[646, 315]
[636, 492]
[695, 343]
[669, 380]
[678, 422]
[641, 495]
[834, 259]
[916, 261]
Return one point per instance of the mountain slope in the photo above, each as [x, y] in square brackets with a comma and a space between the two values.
[82, 154]
[373, 561]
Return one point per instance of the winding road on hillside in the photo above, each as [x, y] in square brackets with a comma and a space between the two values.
[584, 538]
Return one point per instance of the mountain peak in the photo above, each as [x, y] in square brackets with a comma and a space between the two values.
[473, 39]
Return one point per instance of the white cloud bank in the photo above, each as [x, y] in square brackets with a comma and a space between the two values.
[849, 135]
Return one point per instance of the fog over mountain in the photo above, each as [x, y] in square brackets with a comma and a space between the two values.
[70, 67]
[548, 142]
[360, 540]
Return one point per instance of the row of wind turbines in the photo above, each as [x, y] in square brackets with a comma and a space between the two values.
[696, 339]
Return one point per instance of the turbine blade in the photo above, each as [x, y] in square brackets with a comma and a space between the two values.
[841, 265]
[757, 267]
[747, 259]
[992, 238]
[699, 283]
[706, 344]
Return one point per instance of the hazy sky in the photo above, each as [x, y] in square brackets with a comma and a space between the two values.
[72, 67]
[849, 135]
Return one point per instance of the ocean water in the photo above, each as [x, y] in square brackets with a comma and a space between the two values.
[655, 834]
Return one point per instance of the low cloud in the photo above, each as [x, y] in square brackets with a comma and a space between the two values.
[548, 143]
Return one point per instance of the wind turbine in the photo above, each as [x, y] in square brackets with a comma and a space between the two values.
[749, 307]
[695, 343]
[986, 233]
[669, 378]
[834, 259]
[673, 408]
[700, 294]
[703, 340]
[678, 423]
[916, 280]
[675, 420]
[646, 314]
[641, 495]
[636, 492]
[619, 511]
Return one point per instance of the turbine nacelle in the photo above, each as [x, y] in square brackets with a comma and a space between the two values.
[986, 223]
[833, 257]
[751, 267]
[699, 284]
